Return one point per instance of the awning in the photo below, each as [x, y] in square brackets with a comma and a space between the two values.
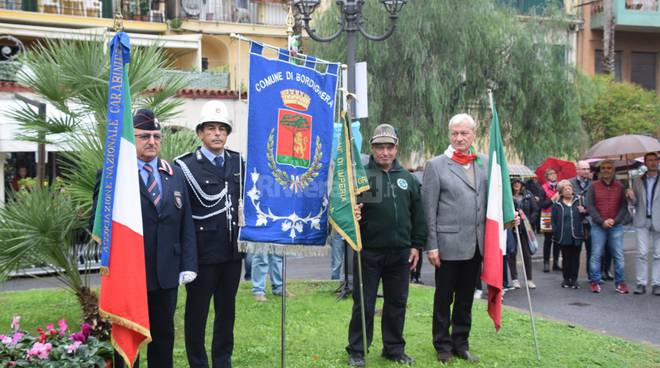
[10, 129]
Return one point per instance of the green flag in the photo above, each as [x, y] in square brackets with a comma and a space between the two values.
[348, 180]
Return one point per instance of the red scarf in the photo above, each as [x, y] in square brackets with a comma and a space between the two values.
[463, 158]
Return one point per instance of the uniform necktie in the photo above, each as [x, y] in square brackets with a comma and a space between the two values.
[152, 185]
[219, 161]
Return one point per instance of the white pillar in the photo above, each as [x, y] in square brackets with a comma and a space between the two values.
[2, 179]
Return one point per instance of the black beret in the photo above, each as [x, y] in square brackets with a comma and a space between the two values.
[146, 120]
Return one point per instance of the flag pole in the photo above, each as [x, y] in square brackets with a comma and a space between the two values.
[349, 151]
[344, 289]
[529, 298]
[283, 319]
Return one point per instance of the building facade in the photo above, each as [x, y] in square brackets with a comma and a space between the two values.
[194, 33]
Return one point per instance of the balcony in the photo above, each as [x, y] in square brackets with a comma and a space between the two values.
[267, 12]
[270, 12]
[629, 15]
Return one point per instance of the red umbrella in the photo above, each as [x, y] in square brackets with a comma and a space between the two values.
[564, 169]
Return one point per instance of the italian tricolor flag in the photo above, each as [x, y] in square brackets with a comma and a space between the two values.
[118, 218]
[499, 212]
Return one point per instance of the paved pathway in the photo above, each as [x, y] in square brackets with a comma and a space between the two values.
[630, 316]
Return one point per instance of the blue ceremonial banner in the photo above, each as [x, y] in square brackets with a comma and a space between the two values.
[290, 126]
[120, 55]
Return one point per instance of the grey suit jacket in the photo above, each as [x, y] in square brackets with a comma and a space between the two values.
[455, 210]
[640, 203]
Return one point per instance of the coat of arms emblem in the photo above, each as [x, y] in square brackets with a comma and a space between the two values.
[293, 145]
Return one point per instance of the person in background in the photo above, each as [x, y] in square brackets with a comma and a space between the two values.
[551, 195]
[645, 195]
[526, 205]
[21, 173]
[532, 185]
[581, 184]
[608, 210]
[567, 232]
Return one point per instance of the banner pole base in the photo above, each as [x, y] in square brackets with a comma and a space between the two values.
[362, 315]
[529, 299]
[283, 324]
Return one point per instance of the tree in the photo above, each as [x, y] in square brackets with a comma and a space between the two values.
[445, 55]
[609, 24]
[611, 108]
[43, 226]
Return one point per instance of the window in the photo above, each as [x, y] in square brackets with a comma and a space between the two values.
[618, 58]
[243, 4]
[642, 69]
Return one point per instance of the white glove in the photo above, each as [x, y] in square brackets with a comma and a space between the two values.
[187, 277]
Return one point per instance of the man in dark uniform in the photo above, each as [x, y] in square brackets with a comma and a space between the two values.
[170, 251]
[214, 176]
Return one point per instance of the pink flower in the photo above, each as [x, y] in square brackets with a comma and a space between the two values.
[49, 327]
[73, 347]
[16, 338]
[78, 336]
[40, 350]
[86, 329]
[63, 327]
[16, 323]
[5, 339]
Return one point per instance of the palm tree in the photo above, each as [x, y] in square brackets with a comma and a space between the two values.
[42, 226]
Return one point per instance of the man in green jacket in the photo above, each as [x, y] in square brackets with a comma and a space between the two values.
[393, 230]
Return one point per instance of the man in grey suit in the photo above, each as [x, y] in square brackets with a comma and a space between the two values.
[644, 195]
[454, 197]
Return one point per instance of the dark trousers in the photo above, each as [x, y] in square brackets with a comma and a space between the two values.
[526, 256]
[570, 264]
[548, 244]
[416, 273]
[219, 281]
[162, 305]
[392, 267]
[454, 283]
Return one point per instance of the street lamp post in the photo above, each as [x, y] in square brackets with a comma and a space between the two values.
[350, 22]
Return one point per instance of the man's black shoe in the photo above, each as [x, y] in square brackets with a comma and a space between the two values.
[356, 360]
[444, 357]
[401, 359]
[466, 355]
[640, 289]
[656, 290]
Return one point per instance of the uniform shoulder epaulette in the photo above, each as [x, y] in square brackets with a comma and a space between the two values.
[183, 156]
[166, 167]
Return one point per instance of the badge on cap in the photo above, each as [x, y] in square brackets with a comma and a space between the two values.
[178, 200]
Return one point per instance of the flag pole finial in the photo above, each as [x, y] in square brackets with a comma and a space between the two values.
[119, 22]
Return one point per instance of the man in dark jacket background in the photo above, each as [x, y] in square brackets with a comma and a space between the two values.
[393, 230]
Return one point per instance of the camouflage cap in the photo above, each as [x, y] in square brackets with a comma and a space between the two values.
[384, 133]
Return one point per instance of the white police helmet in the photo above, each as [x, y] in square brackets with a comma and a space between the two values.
[214, 112]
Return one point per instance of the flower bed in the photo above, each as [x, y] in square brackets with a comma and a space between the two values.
[52, 347]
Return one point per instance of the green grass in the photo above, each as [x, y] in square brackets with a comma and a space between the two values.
[317, 332]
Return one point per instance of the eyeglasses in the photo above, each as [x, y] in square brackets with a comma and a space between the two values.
[146, 137]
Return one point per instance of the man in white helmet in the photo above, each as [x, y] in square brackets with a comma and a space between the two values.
[214, 175]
